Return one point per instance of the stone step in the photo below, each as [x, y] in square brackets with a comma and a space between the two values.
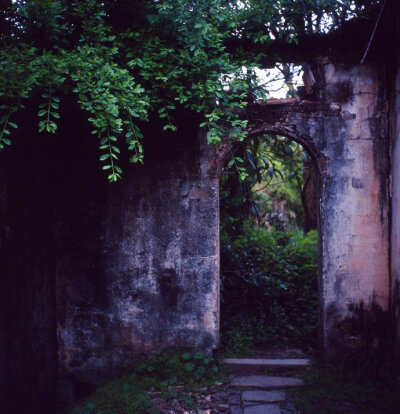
[261, 396]
[262, 409]
[266, 382]
[258, 365]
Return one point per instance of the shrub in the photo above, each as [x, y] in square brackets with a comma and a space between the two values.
[269, 287]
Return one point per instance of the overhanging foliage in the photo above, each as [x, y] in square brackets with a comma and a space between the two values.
[125, 60]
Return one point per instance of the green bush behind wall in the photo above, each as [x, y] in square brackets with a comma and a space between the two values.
[268, 288]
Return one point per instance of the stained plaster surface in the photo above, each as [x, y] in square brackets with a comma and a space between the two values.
[395, 184]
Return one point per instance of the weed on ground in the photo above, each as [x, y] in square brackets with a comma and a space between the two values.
[148, 386]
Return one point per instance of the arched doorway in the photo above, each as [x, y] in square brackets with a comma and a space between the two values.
[270, 247]
[339, 131]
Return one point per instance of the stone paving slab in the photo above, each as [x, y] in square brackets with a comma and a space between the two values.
[267, 382]
[248, 404]
[263, 409]
[234, 399]
[236, 410]
[263, 396]
[275, 362]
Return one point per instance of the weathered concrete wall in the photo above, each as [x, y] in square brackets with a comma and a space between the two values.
[354, 209]
[138, 262]
[345, 131]
[395, 234]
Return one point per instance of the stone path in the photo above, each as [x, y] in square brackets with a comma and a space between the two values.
[271, 399]
[268, 362]
[246, 393]
[261, 394]
[267, 382]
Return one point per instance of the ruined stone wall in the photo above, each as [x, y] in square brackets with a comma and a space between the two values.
[354, 211]
[395, 234]
[100, 273]
[137, 262]
[345, 132]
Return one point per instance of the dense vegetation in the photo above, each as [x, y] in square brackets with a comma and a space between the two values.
[273, 169]
[125, 61]
[269, 289]
[268, 266]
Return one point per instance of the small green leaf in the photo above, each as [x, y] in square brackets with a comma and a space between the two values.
[288, 149]
[189, 366]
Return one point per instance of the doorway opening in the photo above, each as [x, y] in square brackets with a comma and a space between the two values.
[269, 249]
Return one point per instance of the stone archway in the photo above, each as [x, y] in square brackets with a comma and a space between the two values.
[345, 133]
[242, 310]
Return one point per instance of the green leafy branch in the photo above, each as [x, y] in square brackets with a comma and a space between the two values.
[133, 137]
[107, 143]
[5, 123]
[164, 113]
[48, 112]
[241, 169]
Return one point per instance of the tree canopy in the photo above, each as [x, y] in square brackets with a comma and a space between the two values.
[125, 60]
